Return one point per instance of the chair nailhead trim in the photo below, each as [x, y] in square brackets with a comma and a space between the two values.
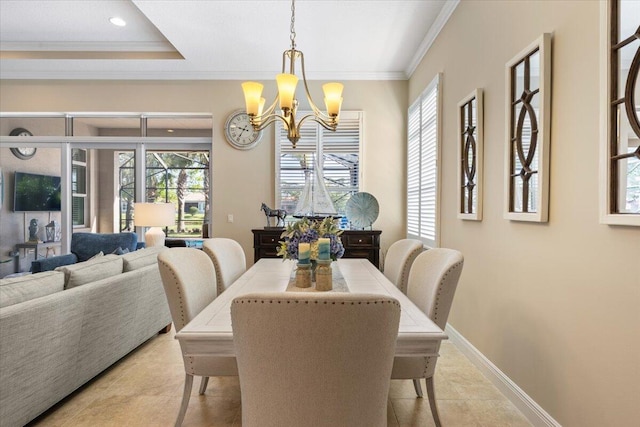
[249, 301]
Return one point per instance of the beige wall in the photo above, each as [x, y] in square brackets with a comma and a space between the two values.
[243, 179]
[555, 306]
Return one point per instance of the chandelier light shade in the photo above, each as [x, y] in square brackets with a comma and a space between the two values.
[154, 215]
[286, 100]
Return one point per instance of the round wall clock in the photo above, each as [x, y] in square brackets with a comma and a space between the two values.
[23, 153]
[239, 132]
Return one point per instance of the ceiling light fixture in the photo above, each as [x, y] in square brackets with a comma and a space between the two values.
[117, 21]
[287, 82]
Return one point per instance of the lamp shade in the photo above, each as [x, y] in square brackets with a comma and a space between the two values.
[333, 97]
[252, 95]
[154, 214]
[286, 89]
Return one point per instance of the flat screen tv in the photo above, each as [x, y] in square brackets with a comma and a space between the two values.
[34, 192]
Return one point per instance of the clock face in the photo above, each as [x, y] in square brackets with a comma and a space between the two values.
[23, 153]
[239, 131]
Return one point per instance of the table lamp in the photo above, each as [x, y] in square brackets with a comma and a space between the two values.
[154, 215]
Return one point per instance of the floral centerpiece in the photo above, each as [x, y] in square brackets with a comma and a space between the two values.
[309, 231]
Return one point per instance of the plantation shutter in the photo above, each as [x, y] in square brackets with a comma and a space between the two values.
[422, 167]
[339, 153]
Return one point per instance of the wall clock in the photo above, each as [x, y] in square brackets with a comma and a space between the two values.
[239, 132]
[23, 153]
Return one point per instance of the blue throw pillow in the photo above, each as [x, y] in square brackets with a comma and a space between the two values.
[120, 251]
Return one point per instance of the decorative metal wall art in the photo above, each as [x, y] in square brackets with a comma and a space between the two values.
[528, 113]
[470, 156]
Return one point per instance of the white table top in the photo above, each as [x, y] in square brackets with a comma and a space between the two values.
[210, 333]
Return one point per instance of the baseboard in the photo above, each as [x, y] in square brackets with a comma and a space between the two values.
[521, 400]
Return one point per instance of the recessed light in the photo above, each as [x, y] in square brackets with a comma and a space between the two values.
[117, 21]
[170, 130]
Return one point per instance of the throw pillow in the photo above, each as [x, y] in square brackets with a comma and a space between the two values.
[25, 288]
[91, 270]
[120, 251]
[141, 258]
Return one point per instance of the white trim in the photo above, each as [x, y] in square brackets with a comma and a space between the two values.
[543, 44]
[442, 18]
[521, 400]
[148, 74]
[479, 136]
[92, 46]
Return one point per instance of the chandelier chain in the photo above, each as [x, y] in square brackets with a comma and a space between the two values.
[293, 23]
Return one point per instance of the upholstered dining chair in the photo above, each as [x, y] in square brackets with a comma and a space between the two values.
[432, 283]
[228, 259]
[399, 259]
[321, 359]
[188, 277]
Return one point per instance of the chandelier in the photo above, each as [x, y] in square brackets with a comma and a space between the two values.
[287, 82]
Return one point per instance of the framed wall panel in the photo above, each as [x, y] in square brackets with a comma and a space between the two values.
[470, 156]
[620, 113]
[528, 113]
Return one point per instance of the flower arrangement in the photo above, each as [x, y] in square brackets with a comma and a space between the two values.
[309, 231]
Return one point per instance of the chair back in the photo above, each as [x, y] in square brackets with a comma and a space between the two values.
[228, 259]
[433, 280]
[399, 259]
[323, 358]
[189, 281]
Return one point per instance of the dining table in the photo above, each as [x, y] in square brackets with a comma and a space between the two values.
[210, 333]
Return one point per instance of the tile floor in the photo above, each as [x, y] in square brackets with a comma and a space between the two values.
[145, 389]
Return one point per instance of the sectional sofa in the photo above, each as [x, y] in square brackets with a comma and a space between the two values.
[59, 329]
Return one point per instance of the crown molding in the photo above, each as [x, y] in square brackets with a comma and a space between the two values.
[16, 74]
[442, 18]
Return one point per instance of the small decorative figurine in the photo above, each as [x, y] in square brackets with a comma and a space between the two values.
[280, 214]
[33, 230]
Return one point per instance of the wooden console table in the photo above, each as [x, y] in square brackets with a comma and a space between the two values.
[35, 246]
[357, 244]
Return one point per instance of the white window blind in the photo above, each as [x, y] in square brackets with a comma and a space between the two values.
[339, 157]
[79, 187]
[422, 166]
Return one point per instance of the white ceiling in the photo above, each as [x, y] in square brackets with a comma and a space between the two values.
[215, 39]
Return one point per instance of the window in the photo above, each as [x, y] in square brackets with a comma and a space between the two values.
[126, 189]
[423, 152]
[621, 152]
[78, 187]
[181, 178]
[338, 154]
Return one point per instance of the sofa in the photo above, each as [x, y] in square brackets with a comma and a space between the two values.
[61, 328]
[86, 245]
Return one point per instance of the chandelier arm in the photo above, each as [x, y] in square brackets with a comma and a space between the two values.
[328, 126]
[269, 120]
[306, 87]
[271, 108]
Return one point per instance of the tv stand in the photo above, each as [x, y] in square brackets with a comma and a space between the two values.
[33, 245]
